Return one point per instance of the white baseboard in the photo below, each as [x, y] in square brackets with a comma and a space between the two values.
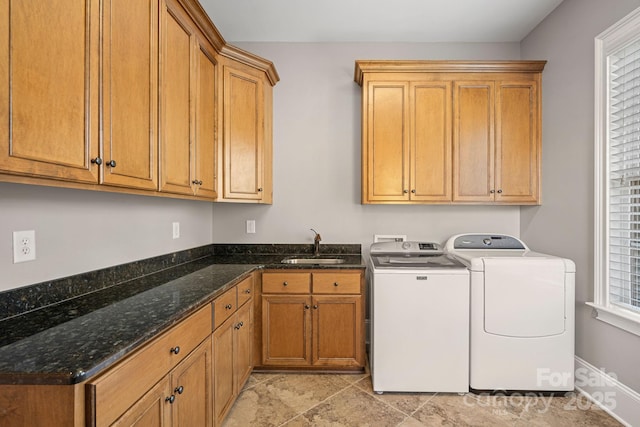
[608, 393]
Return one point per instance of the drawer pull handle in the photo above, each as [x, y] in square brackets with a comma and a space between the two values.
[228, 306]
[285, 284]
[179, 390]
[335, 284]
[248, 291]
[170, 399]
[175, 350]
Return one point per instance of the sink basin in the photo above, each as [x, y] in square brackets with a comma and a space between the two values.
[311, 260]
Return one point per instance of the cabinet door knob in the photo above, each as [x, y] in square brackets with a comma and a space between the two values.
[175, 350]
[228, 306]
[404, 191]
[306, 306]
[179, 390]
[285, 284]
[260, 189]
[111, 163]
[335, 283]
[196, 182]
[413, 191]
[315, 306]
[97, 161]
[499, 191]
[492, 191]
[170, 399]
[247, 291]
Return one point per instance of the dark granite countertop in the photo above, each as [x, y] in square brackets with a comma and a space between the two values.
[115, 323]
[51, 333]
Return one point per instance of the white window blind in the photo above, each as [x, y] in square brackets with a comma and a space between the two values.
[624, 176]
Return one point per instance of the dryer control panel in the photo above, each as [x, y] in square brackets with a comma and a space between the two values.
[487, 241]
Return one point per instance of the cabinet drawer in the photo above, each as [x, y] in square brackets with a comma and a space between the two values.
[112, 393]
[224, 306]
[286, 283]
[245, 290]
[336, 283]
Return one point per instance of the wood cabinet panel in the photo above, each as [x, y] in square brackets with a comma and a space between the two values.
[152, 410]
[49, 88]
[130, 93]
[205, 117]
[387, 146]
[223, 379]
[243, 346]
[286, 330]
[243, 135]
[431, 130]
[473, 138]
[336, 283]
[191, 387]
[224, 306]
[517, 151]
[337, 333]
[288, 283]
[175, 111]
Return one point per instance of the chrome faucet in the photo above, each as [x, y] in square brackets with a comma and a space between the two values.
[316, 243]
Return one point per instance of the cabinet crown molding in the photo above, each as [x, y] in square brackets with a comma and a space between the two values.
[457, 66]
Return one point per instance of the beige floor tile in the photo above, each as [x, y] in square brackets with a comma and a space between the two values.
[305, 400]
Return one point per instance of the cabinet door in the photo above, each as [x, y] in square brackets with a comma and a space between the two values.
[176, 83]
[386, 151]
[130, 93]
[517, 142]
[431, 141]
[286, 328]
[337, 331]
[243, 135]
[191, 387]
[49, 88]
[152, 410]
[205, 117]
[473, 142]
[223, 378]
[243, 355]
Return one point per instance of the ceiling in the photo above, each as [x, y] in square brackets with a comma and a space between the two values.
[481, 21]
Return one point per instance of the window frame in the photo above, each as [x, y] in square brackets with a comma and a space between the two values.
[608, 42]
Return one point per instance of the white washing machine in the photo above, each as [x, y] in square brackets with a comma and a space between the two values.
[419, 340]
[522, 314]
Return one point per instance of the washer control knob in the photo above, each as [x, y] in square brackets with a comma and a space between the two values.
[406, 245]
[487, 241]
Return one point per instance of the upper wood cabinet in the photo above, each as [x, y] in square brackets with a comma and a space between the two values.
[187, 128]
[128, 96]
[451, 131]
[49, 89]
[245, 151]
[130, 93]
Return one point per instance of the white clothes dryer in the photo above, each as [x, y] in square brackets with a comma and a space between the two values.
[522, 316]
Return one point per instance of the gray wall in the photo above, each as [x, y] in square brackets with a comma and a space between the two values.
[79, 231]
[563, 225]
[317, 153]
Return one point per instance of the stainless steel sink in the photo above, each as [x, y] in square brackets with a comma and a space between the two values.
[311, 260]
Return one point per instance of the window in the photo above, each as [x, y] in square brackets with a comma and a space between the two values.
[617, 198]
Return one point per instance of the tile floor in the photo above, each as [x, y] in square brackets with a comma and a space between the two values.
[337, 400]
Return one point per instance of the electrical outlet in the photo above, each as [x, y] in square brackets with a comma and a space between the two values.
[24, 246]
[176, 230]
[251, 226]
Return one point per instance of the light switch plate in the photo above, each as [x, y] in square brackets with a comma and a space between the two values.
[251, 226]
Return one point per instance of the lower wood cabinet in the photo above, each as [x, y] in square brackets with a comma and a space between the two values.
[183, 398]
[313, 319]
[232, 347]
[166, 383]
